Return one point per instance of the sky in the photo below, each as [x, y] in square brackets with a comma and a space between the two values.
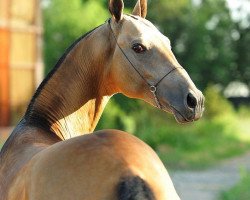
[240, 9]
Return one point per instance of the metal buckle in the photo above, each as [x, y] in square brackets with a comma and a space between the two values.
[153, 89]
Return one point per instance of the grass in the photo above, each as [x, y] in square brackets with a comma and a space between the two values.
[198, 145]
[239, 191]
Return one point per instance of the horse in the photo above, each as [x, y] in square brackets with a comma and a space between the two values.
[51, 153]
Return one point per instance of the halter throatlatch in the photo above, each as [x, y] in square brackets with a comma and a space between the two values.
[152, 88]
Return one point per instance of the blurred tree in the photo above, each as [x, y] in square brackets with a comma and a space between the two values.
[201, 37]
[65, 21]
[216, 104]
[241, 35]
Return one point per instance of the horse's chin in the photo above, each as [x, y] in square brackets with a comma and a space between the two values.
[177, 115]
[179, 118]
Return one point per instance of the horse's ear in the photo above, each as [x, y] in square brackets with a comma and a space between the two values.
[116, 9]
[140, 8]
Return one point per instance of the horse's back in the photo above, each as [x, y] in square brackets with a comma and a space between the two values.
[106, 165]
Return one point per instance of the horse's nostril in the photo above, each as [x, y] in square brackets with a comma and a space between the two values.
[191, 101]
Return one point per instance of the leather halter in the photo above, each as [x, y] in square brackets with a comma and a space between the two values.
[152, 88]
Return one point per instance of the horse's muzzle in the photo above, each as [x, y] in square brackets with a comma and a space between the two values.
[193, 108]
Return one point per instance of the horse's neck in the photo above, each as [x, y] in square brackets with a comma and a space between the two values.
[71, 101]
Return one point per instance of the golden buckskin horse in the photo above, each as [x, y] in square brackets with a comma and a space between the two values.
[44, 160]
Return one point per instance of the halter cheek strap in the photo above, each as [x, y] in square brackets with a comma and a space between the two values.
[152, 88]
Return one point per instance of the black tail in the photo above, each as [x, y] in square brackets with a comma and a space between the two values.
[134, 188]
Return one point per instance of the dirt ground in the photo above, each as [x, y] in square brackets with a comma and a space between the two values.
[208, 184]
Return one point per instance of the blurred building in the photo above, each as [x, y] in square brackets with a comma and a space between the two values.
[21, 66]
[237, 93]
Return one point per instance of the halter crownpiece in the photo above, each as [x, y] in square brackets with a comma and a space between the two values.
[152, 88]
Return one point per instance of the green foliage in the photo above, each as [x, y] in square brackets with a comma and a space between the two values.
[115, 117]
[240, 191]
[216, 104]
[240, 70]
[196, 145]
[65, 21]
[244, 111]
[206, 40]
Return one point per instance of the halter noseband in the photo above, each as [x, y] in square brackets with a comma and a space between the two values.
[152, 88]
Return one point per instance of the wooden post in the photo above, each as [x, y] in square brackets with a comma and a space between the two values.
[4, 66]
[4, 78]
[21, 65]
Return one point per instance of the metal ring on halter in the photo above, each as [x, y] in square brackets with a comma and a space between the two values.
[153, 89]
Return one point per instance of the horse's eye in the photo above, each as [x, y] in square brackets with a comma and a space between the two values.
[138, 48]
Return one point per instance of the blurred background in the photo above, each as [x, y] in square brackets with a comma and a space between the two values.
[211, 40]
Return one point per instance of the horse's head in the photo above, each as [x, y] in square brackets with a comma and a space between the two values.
[144, 66]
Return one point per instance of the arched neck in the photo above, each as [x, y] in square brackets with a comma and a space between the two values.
[71, 100]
